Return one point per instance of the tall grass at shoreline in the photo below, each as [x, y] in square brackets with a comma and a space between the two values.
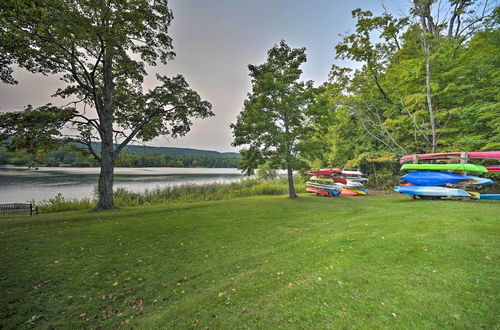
[169, 194]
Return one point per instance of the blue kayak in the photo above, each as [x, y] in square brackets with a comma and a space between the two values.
[479, 180]
[490, 196]
[432, 191]
[434, 178]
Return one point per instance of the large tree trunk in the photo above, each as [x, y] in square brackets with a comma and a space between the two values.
[291, 187]
[105, 187]
[108, 156]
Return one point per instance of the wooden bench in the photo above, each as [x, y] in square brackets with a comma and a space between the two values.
[18, 208]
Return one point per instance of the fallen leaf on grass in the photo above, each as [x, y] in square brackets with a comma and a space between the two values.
[83, 315]
[115, 284]
[344, 309]
[136, 303]
[221, 294]
[110, 314]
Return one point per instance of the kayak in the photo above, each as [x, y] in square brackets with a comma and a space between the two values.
[359, 191]
[493, 168]
[352, 173]
[444, 155]
[490, 196]
[347, 192]
[320, 179]
[356, 178]
[479, 180]
[434, 178]
[354, 183]
[339, 180]
[323, 186]
[351, 185]
[325, 171]
[434, 191]
[446, 167]
[318, 191]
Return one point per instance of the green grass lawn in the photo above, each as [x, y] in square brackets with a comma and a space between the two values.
[258, 262]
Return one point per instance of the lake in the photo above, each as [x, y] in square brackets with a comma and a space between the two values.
[20, 184]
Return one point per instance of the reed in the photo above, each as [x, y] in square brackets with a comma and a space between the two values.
[170, 194]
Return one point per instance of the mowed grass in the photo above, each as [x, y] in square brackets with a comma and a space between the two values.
[257, 262]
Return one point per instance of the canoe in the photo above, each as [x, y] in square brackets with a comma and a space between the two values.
[490, 196]
[444, 155]
[436, 191]
[318, 191]
[347, 192]
[446, 167]
[434, 178]
[325, 171]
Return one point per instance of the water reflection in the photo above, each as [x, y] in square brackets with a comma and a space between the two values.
[23, 184]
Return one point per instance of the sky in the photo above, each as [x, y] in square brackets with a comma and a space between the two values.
[215, 40]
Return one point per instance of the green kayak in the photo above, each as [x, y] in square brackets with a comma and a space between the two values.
[446, 167]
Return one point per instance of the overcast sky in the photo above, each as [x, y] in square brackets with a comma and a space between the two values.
[215, 40]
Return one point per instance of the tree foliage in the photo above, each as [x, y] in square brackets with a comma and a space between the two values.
[275, 117]
[428, 81]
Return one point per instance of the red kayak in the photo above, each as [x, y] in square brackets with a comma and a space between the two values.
[444, 155]
[493, 168]
[339, 180]
[325, 171]
[317, 191]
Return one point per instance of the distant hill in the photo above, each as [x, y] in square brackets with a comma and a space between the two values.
[170, 151]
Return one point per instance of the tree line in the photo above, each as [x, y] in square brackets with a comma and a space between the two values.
[71, 157]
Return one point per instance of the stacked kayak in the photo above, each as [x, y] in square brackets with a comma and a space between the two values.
[334, 181]
[433, 181]
[324, 182]
[354, 185]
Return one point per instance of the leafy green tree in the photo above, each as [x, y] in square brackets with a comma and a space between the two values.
[101, 49]
[274, 120]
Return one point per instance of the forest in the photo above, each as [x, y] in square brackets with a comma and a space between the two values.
[425, 81]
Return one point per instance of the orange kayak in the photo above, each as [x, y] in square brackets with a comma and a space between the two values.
[346, 192]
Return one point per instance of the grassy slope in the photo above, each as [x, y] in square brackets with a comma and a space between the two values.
[378, 261]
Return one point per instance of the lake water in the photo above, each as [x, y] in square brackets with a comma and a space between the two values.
[19, 184]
